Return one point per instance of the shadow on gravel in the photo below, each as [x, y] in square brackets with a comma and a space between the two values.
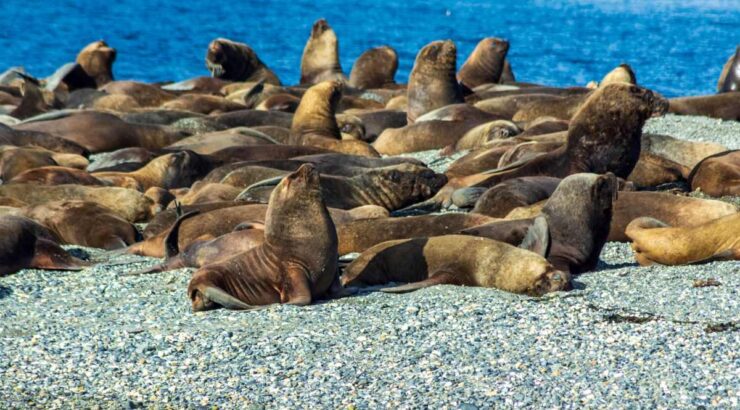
[604, 265]
[5, 292]
[577, 285]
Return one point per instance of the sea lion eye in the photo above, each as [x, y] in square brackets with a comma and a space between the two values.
[394, 176]
[347, 128]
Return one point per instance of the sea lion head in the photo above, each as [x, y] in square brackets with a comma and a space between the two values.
[375, 68]
[551, 280]
[351, 125]
[485, 64]
[621, 74]
[183, 167]
[294, 206]
[229, 60]
[96, 59]
[316, 111]
[404, 184]
[320, 58]
[438, 55]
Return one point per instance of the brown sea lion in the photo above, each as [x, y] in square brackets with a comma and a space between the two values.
[478, 136]
[203, 104]
[432, 82]
[479, 160]
[455, 260]
[359, 235]
[176, 170]
[375, 68]
[98, 132]
[674, 210]
[376, 121]
[96, 59]
[264, 152]
[146, 95]
[563, 108]
[26, 244]
[121, 160]
[202, 84]
[211, 142]
[729, 79]
[84, 223]
[33, 102]
[422, 136]
[320, 60]
[717, 175]
[502, 198]
[201, 193]
[485, 64]
[725, 106]
[315, 124]
[296, 264]
[656, 242]
[234, 61]
[576, 218]
[55, 175]
[506, 106]
[127, 203]
[254, 118]
[279, 102]
[10, 136]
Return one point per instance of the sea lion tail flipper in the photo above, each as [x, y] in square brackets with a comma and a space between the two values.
[467, 197]
[49, 255]
[430, 205]
[638, 224]
[171, 248]
[250, 97]
[441, 278]
[537, 238]
[296, 289]
[218, 296]
[271, 182]
[726, 255]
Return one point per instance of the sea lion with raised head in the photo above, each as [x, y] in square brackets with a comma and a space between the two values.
[96, 59]
[485, 64]
[229, 60]
[729, 79]
[296, 264]
[320, 60]
[432, 82]
[654, 241]
[375, 68]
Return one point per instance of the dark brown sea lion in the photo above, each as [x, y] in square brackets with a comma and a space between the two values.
[432, 82]
[656, 242]
[376, 121]
[98, 132]
[84, 223]
[127, 203]
[55, 175]
[146, 95]
[455, 260]
[577, 218]
[485, 64]
[96, 59]
[264, 152]
[320, 60]
[725, 106]
[33, 102]
[673, 210]
[296, 264]
[717, 175]
[176, 170]
[234, 61]
[729, 79]
[375, 68]
[359, 235]
[502, 198]
[315, 124]
[26, 244]
[254, 118]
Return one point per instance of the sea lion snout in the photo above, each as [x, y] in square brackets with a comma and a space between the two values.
[319, 27]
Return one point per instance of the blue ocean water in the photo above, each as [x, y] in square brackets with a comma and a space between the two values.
[676, 47]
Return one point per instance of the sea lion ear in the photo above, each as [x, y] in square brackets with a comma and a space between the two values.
[537, 238]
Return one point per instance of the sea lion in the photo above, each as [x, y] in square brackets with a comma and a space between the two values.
[320, 60]
[15, 160]
[10, 136]
[729, 79]
[264, 152]
[97, 131]
[26, 244]
[55, 175]
[127, 203]
[203, 104]
[478, 136]
[84, 223]
[432, 82]
[279, 102]
[455, 260]
[176, 170]
[485, 64]
[146, 95]
[121, 160]
[375, 68]
[201, 84]
[211, 142]
[623, 73]
[96, 59]
[654, 241]
[563, 108]
[376, 121]
[33, 102]
[296, 264]
[577, 218]
[717, 175]
[725, 106]
[229, 60]
[674, 210]
[315, 124]
[201, 193]
[423, 135]
[359, 235]
[254, 118]
[499, 200]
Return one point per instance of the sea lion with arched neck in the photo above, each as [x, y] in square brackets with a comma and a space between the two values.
[296, 264]
[96, 59]
[432, 82]
[320, 60]
[729, 79]
[485, 64]
[229, 60]
[375, 68]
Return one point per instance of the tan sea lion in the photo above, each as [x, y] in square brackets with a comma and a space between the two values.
[674, 210]
[478, 136]
[320, 60]
[725, 106]
[234, 61]
[176, 170]
[654, 241]
[96, 59]
[485, 64]
[432, 82]
[26, 244]
[146, 95]
[55, 175]
[296, 264]
[455, 260]
[717, 175]
[203, 104]
[375, 68]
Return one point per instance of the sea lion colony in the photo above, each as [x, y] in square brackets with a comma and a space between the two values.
[262, 186]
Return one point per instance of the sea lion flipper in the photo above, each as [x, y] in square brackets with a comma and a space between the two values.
[171, 248]
[442, 278]
[296, 289]
[49, 255]
[222, 298]
[537, 238]
[467, 197]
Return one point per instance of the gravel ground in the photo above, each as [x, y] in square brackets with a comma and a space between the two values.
[627, 336]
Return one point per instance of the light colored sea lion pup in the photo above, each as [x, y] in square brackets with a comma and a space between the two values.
[485, 64]
[375, 68]
[656, 242]
[296, 264]
[455, 260]
[432, 82]
[320, 60]
[234, 61]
